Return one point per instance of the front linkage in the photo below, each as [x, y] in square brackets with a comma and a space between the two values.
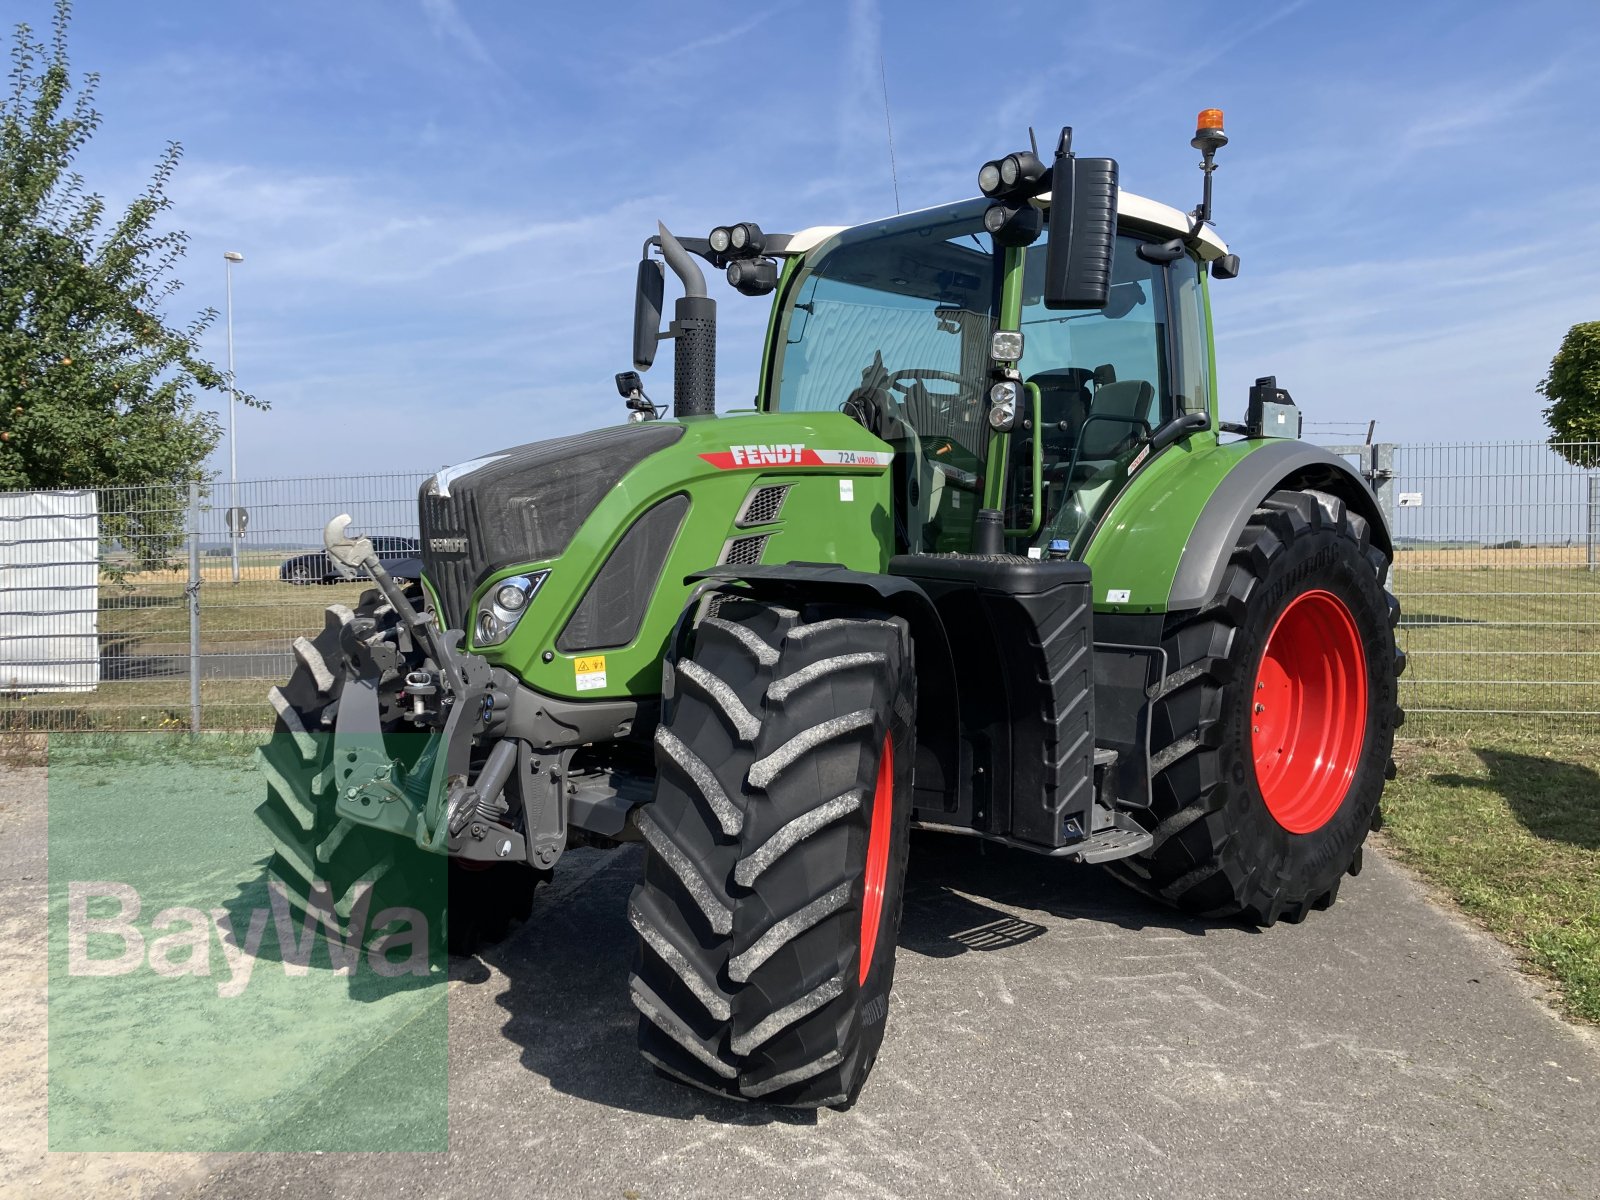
[437, 799]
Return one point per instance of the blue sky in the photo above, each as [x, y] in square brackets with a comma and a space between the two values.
[440, 202]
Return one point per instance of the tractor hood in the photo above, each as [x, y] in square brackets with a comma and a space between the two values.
[602, 532]
[522, 505]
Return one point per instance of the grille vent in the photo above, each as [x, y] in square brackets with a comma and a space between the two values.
[762, 506]
[744, 551]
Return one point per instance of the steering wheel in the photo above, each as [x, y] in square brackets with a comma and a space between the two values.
[912, 384]
[922, 375]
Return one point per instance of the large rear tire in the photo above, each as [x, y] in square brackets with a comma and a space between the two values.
[776, 847]
[1271, 740]
[340, 867]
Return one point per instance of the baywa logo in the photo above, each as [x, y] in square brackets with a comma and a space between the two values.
[394, 944]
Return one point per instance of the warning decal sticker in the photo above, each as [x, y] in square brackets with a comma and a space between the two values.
[590, 672]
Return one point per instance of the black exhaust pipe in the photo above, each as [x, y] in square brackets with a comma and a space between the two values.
[694, 333]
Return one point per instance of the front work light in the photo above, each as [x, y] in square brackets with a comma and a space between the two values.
[753, 276]
[1020, 170]
[1013, 225]
[721, 238]
[1006, 345]
[1012, 177]
[747, 238]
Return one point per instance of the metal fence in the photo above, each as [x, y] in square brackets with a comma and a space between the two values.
[1498, 573]
[185, 624]
[137, 608]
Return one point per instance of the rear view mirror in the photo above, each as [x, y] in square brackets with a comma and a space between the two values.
[647, 302]
[1083, 230]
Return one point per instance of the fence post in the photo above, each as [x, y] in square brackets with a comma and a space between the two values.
[192, 594]
[1383, 479]
[1594, 516]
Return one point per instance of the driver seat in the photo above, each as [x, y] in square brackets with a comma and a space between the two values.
[1116, 421]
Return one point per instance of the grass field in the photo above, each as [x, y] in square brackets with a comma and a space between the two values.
[1488, 632]
[1509, 828]
[1493, 631]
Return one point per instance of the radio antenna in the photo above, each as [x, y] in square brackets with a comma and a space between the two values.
[883, 75]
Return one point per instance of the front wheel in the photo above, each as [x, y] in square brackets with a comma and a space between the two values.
[776, 847]
[1270, 741]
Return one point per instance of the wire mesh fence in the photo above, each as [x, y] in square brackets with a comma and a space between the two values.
[1499, 583]
[139, 608]
[142, 608]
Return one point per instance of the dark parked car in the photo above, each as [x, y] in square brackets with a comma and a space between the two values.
[317, 567]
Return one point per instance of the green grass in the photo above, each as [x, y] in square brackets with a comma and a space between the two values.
[140, 706]
[1510, 828]
[156, 613]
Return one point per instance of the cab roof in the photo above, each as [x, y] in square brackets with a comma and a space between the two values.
[1135, 210]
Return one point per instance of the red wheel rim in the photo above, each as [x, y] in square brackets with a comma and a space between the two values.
[877, 856]
[1308, 715]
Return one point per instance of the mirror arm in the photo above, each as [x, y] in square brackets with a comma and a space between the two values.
[1179, 426]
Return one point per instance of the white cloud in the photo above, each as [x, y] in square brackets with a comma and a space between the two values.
[447, 23]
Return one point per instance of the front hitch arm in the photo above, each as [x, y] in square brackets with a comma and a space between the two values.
[468, 697]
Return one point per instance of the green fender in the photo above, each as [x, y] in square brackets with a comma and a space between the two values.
[1165, 542]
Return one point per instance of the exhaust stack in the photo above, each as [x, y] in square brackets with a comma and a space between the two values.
[694, 329]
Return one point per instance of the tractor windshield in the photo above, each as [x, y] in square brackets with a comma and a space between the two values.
[891, 323]
[905, 308]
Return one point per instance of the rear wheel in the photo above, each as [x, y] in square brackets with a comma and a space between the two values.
[337, 866]
[776, 847]
[1270, 742]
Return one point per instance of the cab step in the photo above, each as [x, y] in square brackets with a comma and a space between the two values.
[1121, 840]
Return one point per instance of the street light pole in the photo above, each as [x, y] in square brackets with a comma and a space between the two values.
[230, 257]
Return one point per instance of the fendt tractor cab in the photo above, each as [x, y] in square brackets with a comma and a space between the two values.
[982, 558]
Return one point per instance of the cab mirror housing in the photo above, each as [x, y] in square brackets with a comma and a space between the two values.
[647, 302]
[1083, 230]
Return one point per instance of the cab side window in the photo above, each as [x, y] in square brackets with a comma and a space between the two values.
[1103, 384]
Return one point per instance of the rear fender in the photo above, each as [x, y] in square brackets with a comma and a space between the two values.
[1165, 543]
[1276, 466]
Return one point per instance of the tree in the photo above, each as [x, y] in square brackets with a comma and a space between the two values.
[1573, 388]
[97, 384]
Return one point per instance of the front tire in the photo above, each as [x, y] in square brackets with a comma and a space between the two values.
[776, 847]
[1271, 740]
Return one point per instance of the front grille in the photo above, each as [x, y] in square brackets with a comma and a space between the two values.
[762, 506]
[744, 551]
[449, 531]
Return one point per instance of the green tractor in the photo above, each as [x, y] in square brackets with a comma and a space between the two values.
[982, 558]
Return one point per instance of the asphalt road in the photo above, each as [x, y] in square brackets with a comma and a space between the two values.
[1050, 1035]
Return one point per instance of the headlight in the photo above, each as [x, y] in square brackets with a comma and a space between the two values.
[1003, 405]
[720, 239]
[503, 606]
